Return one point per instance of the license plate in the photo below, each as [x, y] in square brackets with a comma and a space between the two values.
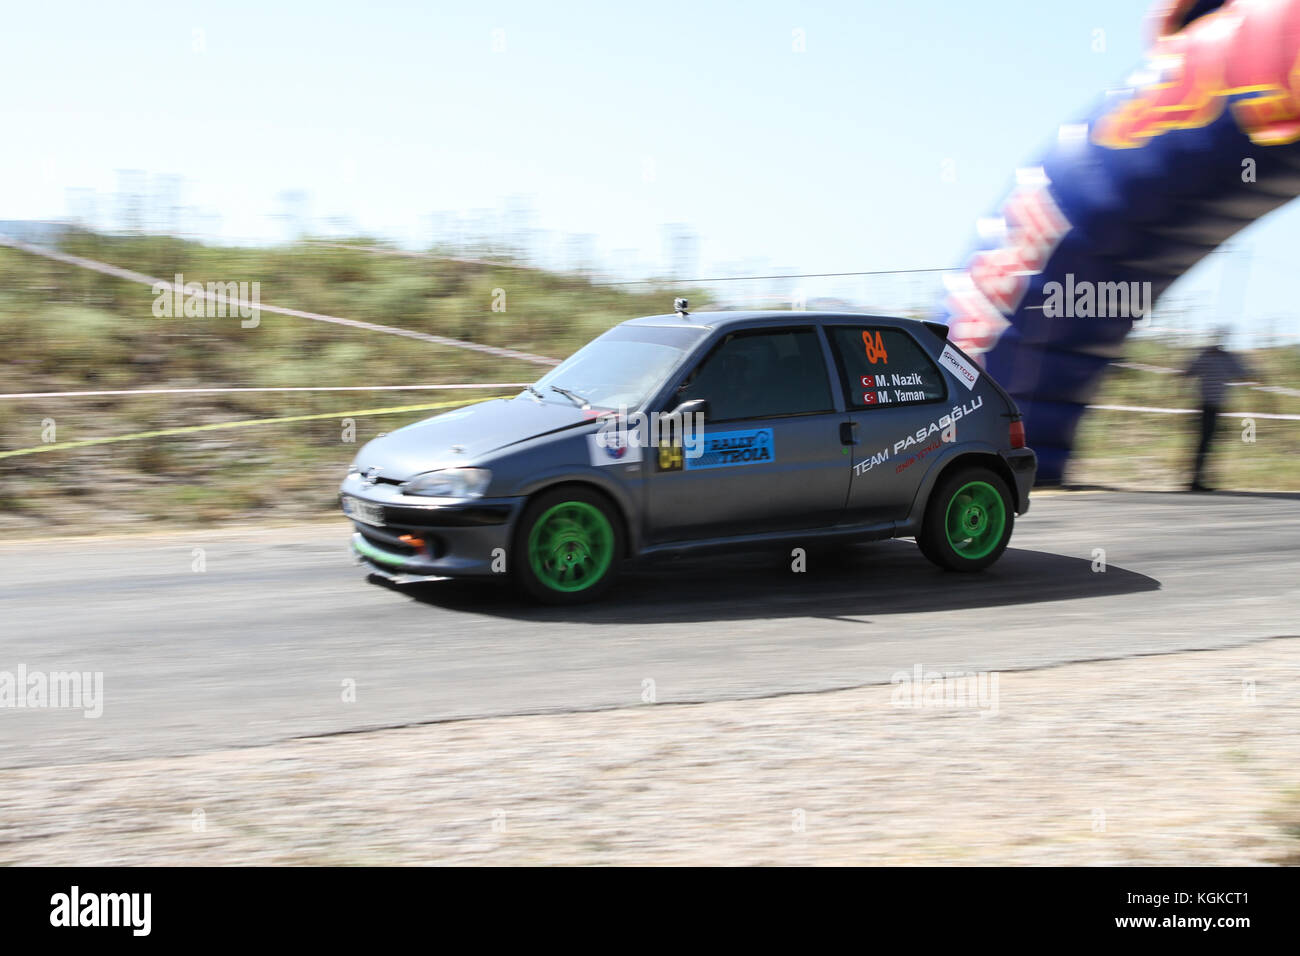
[363, 510]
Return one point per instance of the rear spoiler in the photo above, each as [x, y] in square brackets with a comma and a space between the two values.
[939, 329]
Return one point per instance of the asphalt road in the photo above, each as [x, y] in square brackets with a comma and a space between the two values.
[258, 646]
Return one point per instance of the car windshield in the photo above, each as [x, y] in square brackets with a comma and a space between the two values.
[620, 368]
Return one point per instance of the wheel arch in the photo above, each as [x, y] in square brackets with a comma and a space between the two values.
[960, 458]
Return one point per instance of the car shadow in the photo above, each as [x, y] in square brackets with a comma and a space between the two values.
[872, 580]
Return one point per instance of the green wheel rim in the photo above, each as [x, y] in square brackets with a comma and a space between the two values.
[975, 520]
[570, 546]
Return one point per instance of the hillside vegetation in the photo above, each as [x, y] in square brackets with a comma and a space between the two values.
[67, 328]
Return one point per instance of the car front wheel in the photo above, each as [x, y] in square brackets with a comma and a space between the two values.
[567, 546]
[968, 520]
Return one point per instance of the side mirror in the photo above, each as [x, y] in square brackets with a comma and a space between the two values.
[690, 408]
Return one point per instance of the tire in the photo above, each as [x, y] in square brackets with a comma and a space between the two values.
[567, 546]
[968, 520]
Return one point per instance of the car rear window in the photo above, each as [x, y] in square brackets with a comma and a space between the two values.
[883, 367]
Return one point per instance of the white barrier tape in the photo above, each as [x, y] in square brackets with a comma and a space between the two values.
[1161, 370]
[137, 277]
[497, 264]
[1192, 411]
[1143, 367]
[274, 388]
[220, 426]
[408, 254]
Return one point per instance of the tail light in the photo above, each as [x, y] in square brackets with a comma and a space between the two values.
[1017, 433]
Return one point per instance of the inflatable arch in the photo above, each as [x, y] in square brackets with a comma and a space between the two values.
[1204, 140]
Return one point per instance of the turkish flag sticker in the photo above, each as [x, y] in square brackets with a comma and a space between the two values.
[869, 398]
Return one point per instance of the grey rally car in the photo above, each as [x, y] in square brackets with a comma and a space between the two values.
[687, 432]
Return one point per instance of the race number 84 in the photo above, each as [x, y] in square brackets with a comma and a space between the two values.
[670, 458]
[875, 345]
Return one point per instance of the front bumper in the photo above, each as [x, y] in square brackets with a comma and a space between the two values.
[1023, 463]
[429, 538]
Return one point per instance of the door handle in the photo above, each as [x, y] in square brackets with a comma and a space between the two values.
[848, 433]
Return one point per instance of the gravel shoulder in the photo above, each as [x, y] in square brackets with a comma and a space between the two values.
[1179, 759]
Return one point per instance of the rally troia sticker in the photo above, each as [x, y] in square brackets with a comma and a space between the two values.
[725, 449]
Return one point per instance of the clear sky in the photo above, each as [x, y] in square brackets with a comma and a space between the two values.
[612, 119]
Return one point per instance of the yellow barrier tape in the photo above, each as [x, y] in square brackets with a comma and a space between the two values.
[190, 429]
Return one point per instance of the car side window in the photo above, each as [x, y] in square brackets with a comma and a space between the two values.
[884, 367]
[762, 374]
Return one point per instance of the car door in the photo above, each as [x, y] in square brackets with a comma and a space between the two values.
[895, 395]
[770, 457]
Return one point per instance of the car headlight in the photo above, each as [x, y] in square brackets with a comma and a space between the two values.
[449, 483]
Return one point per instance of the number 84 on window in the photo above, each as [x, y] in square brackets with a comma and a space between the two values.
[875, 346]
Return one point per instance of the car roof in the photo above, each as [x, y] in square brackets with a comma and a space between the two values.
[718, 320]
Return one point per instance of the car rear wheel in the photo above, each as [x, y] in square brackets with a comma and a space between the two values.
[567, 546]
[968, 520]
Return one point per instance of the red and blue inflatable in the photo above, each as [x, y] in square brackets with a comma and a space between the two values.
[1204, 139]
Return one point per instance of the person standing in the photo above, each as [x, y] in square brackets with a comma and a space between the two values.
[1214, 367]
